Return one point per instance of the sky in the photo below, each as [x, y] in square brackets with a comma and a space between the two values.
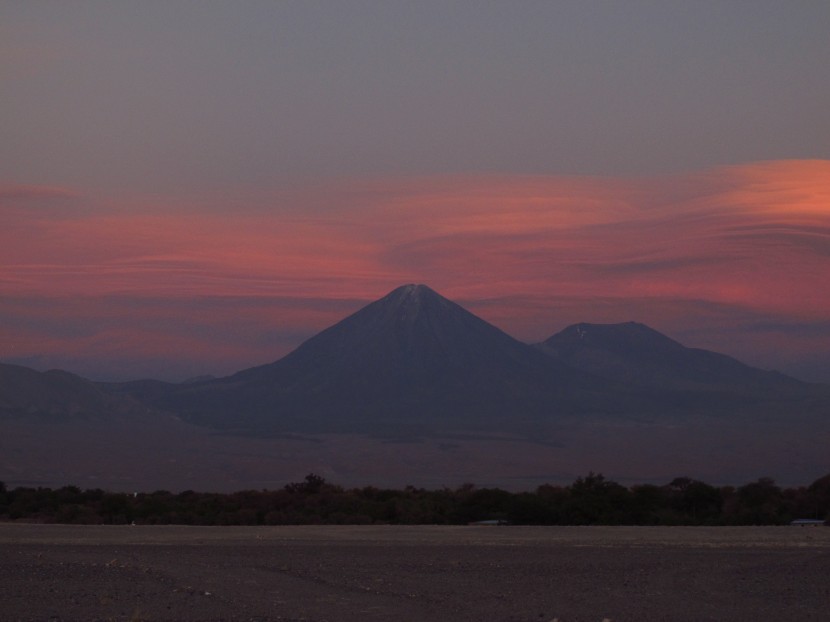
[193, 188]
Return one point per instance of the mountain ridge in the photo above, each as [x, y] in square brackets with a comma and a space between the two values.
[414, 362]
[56, 395]
[414, 389]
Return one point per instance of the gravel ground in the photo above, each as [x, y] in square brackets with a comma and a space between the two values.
[502, 574]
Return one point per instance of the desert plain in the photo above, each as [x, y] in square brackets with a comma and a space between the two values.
[418, 573]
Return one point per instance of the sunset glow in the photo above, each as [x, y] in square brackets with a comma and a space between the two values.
[171, 205]
[82, 278]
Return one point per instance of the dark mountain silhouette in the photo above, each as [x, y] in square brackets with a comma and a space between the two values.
[680, 380]
[636, 354]
[55, 394]
[414, 363]
[410, 362]
[414, 366]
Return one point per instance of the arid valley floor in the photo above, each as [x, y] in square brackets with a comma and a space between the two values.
[350, 574]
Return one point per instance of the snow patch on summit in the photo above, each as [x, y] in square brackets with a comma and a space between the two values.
[411, 299]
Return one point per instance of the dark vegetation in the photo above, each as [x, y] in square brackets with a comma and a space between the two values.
[590, 500]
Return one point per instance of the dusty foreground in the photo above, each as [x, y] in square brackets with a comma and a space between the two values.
[516, 574]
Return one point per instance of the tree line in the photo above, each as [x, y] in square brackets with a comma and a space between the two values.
[589, 500]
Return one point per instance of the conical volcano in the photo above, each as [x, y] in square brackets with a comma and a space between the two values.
[412, 361]
[412, 334]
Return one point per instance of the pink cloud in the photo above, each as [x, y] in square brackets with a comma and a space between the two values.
[530, 253]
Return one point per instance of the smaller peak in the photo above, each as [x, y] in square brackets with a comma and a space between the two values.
[621, 332]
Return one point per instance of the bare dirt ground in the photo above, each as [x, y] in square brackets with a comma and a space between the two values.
[508, 574]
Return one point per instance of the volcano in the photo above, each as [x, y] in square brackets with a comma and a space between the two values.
[412, 362]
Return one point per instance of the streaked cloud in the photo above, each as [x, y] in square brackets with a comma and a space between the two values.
[219, 279]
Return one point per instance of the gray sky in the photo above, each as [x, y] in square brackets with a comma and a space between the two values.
[171, 96]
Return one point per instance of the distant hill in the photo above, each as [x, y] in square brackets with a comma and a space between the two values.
[54, 394]
[636, 354]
